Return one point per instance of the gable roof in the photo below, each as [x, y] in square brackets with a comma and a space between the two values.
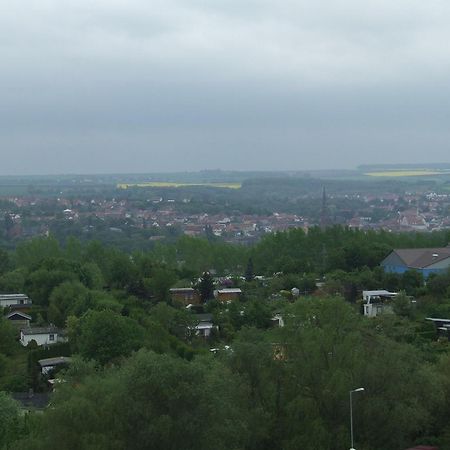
[181, 290]
[18, 313]
[15, 297]
[229, 291]
[39, 330]
[378, 292]
[206, 317]
[50, 362]
[419, 258]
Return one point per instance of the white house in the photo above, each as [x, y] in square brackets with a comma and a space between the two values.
[377, 302]
[204, 325]
[41, 335]
[14, 299]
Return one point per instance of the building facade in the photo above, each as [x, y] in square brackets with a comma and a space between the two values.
[423, 260]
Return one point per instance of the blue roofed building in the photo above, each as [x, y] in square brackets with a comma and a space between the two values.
[424, 260]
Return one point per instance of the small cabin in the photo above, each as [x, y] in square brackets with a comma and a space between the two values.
[19, 319]
[377, 302]
[41, 335]
[49, 364]
[185, 296]
[15, 301]
[204, 325]
[442, 326]
[227, 294]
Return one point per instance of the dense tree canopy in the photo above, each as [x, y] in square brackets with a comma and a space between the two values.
[9, 420]
[282, 389]
[106, 335]
[152, 401]
[142, 377]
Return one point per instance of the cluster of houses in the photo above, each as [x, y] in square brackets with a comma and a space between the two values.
[190, 298]
[393, 212]
[426, 261]
[189, 295]
[16, 309]
[161, 216]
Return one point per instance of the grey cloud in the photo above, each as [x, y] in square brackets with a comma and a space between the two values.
[225, 83]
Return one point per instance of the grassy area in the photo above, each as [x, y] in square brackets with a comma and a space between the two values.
[167, 184]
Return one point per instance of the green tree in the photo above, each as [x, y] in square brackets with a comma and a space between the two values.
[402, 305]
[206, 287]
[74, 249]
[252, 358]
[9, 420]
[7, 336]
[105, 336]
[31, 253]
[257, 314]
[249, 271]
[411, 281]
[41, 283]
[69, 298]
[162, 279]
[437, 285]
[122, 272]
[178, 322]
[12, 282]
[91, 276]
[4, 261]
[151, 401]
[331, 350]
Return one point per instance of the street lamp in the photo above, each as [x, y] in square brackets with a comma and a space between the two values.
[361, 389]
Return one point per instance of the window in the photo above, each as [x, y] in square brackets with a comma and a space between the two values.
[51, 337]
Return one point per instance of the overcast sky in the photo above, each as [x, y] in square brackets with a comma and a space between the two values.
[90, 86]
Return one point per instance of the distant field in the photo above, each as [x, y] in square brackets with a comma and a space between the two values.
[167, 184]
[407, 173]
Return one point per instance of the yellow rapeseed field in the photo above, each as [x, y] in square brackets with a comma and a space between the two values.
[168, 184]
[405, 173]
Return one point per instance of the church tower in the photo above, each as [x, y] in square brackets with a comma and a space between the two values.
[324, 218]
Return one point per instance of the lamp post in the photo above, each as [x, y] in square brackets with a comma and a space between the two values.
[361, 389]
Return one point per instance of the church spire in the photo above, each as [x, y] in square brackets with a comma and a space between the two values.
[324, 222]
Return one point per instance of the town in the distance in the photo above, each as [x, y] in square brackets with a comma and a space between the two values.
[237, 207]
[226, 310]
